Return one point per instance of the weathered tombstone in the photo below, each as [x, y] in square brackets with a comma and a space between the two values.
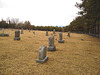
[53, 31]
[22, 31]
[46, 33]
[51, 47]
[17, 35]
[34, 33]
[62, 29]
[3, 31]
[11, 33]
[69, 34]
[42, 55]
[60, 38]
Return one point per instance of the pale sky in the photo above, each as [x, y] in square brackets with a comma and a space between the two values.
[40, 12]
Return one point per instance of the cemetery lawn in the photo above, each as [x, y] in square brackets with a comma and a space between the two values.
[73, 57]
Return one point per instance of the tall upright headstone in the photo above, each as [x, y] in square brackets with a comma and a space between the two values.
[42, 55]
[46, 33]
[53, 31]
[69, 34]
[22, 31]
[60, 38]
[51, 47]
[17, 35]
[3, 31]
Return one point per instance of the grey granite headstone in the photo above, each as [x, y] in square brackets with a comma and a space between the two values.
[51, 47]
[29, 30]
[17, 35]
[22, 31]
[60, 38]
[53, 31]
[46, 33]
[34, 33]
[42, 55]
[3, 31]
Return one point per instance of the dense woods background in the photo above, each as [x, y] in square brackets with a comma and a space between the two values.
[88, 21]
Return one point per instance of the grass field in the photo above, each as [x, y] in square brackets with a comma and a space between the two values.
[73, 57]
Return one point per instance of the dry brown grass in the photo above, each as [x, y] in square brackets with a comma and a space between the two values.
[73, 57]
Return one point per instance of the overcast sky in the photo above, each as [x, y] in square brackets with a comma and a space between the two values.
[40, 12]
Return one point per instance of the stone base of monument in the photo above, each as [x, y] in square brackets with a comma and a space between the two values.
[17, 38]
[61, 41]
[42, 61]
[4, 34]
[52, 48]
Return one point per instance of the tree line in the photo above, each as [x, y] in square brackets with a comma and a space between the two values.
[89, 19]
[14, 23]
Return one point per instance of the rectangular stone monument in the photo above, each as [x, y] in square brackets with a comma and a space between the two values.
[51, 47]
[3, 31]
[17, 35]
[60, 38]
[46, 33]
[99, 31]
[53, 31]
[68, 34]
[22, 31]
[34, 33]
[42, 55]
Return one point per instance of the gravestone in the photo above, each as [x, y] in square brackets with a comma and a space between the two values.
[3, 34]
[3, 31]
[46, 33]
[42, 55]
[17, 35]
[22, 31]
[34, 33]
[60, 38]
[53, 31]
[51, 47]
[69, 34]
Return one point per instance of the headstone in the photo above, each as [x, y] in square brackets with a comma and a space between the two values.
[3, 31]
[42, 55]
[22, 31]
[17, 35]
[51, 47]
[60, 38]
[62, 29]
[46, 33]
[69, 34]
[34, 33]
[11, 33]
[53, 31]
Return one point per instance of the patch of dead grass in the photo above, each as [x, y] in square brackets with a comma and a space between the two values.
[73, 57]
